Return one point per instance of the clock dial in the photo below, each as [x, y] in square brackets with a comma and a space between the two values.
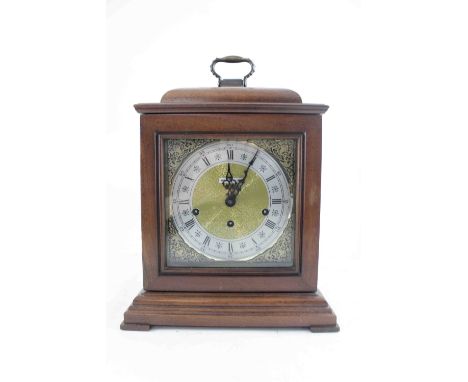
[230, 200]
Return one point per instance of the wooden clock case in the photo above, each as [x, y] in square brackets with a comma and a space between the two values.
[227, 297]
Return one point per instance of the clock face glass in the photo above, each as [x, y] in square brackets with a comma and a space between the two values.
[230, 203]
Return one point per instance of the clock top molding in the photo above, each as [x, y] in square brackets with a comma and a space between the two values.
[231, 100]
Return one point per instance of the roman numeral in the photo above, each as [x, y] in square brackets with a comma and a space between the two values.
[186, 177]
[270, 224]
[207, 162]
[183, 202]
[207, 240]
[275, 201]
[231, 249]
[270, 178]
[230, 154]
[190, 224]
[254, 241]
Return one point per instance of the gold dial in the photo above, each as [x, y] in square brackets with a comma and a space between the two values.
[209, 197]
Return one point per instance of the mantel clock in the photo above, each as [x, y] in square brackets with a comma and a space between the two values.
[230, 192]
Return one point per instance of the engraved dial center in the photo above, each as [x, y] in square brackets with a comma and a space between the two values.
[209, 198]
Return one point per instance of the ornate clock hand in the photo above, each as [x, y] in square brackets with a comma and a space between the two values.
[236, 187]
[229, 184]
[228, 179]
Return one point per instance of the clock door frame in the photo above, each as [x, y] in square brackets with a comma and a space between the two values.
[157, 276]
[163, 195]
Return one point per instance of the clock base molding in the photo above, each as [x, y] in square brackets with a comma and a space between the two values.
[216, 309]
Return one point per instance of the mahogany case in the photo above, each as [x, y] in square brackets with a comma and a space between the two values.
[233, 297]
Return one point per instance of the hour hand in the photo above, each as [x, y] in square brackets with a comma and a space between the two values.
[232, 193]
[236, 186]
[228, 180]
[230, 184]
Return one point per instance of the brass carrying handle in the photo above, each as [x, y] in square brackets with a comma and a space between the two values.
[232, 60]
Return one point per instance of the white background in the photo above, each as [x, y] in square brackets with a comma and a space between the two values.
[394, 233]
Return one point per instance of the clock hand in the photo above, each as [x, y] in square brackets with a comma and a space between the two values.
[229, 183]
[241, 182]
[228, 180]
[236, 187]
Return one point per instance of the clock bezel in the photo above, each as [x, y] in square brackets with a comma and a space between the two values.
[302, 276]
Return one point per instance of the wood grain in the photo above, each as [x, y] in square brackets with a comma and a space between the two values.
[230, 107]
[309, 310]
[231, 94]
